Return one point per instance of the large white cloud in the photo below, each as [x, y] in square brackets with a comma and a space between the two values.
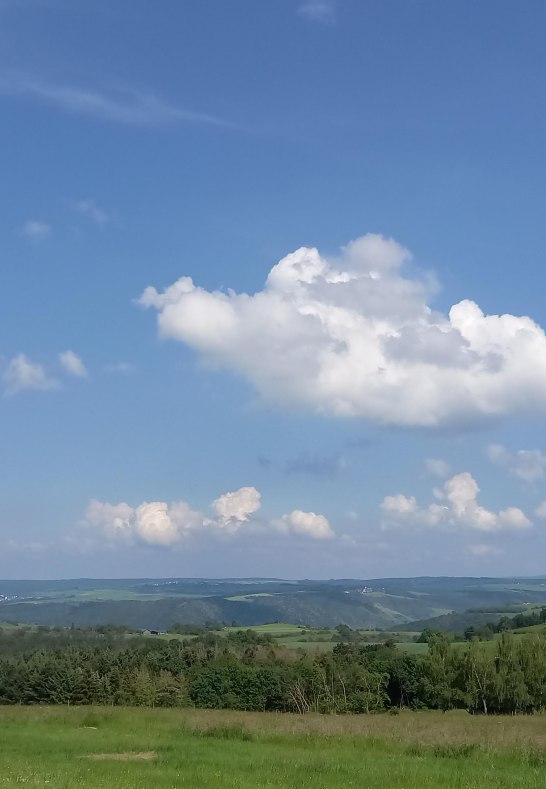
[161, 524]
[152, 522]
[354, 336]
[456, 505]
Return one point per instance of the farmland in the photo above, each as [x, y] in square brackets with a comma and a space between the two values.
[99, 747]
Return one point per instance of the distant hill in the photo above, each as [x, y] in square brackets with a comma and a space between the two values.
[384, 603]
[453, 622]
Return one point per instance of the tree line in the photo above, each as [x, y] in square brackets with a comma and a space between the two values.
[247, 671]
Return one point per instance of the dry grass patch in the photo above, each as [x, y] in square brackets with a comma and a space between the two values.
[429, 729]
[141, 756]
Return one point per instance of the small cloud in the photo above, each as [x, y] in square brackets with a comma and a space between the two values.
[437, 468]
[90, 210]
[36, 229]
[528, 465]
[72, 364]
[235, 508]
[22, 373]
[24, 547]
[264, 461]
[319, 11]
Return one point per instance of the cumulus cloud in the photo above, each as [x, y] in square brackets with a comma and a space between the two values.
[152, 522]
[36, 229]
[526, 464]
[163, 525]
[354, 336]
[235, 509]
[456, 505]
[22, 373]
[72, 364]
[308, 524]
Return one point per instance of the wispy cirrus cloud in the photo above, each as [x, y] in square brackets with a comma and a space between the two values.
[322, 12]
[90, 210]
[128, 106]
[36, 229]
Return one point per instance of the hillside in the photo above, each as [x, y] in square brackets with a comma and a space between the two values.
[402, 603]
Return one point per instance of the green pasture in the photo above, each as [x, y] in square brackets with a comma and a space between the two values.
[88, 748]
[274, 629]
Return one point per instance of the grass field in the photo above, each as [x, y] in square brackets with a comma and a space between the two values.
[312, 639]
[124, 748]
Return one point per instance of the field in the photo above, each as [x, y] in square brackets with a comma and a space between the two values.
[124, 748]
[314, 639]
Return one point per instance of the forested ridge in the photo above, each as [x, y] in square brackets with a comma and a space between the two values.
[247, 671]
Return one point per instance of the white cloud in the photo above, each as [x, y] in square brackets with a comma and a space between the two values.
[354, 336]
[90, 210]
[22, 373]
[526, 464]
[154, 522]
[161, 524]
[437, 468]
[127, 106]
[235, 508]
[322, 11]
[36, 229]
[308, 524]
[72, 364]
[456, 506]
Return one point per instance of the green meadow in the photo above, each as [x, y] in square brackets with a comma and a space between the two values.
[63, 748]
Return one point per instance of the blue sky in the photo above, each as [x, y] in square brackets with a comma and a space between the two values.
[335, 419]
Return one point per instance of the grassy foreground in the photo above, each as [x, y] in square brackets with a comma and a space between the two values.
[118, 747]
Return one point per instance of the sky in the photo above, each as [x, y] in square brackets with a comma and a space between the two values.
[272, 288]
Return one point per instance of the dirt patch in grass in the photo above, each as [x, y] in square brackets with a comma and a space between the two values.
[141, 756]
